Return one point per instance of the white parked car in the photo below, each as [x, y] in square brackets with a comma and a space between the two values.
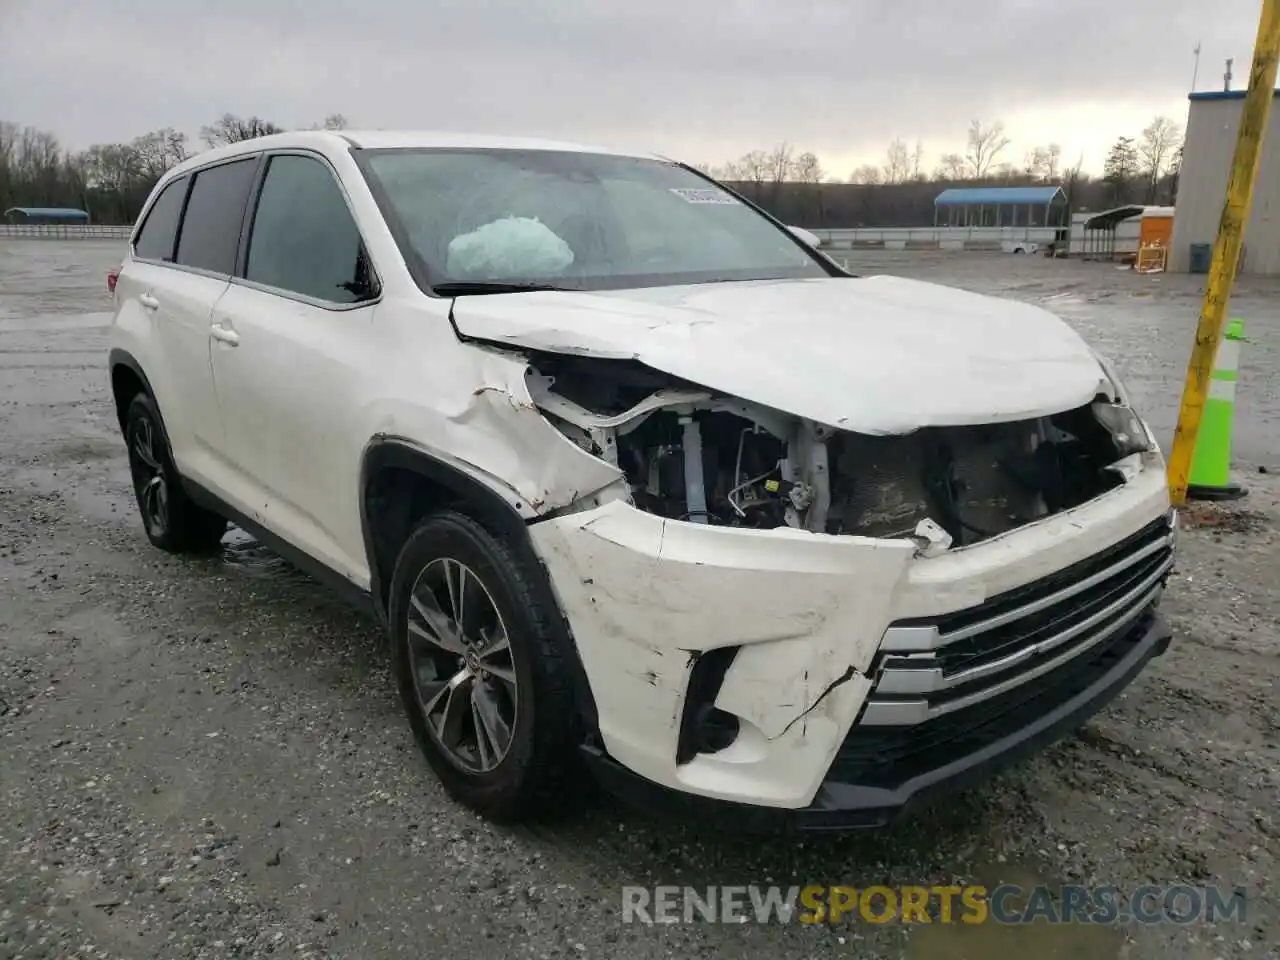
[640, 482]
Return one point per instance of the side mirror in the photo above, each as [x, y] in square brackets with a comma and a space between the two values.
[806, 237]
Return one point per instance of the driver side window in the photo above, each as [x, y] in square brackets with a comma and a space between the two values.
[304, 239]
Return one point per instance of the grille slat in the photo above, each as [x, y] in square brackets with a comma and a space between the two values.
[1026, 629]
[890, 756]
[951, 684]
[954, 657]
[1063, 629]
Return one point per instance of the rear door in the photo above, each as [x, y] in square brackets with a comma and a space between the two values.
[205, 258]
[179, 265]
[155, 300]
[293, 345]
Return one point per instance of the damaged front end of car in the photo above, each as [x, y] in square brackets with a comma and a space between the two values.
[689, 454]
[730, 588]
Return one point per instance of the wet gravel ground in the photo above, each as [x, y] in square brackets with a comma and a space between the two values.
[206, 758]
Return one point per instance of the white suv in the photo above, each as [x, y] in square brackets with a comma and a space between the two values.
[639, 481]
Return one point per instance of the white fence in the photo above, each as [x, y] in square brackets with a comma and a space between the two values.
[63, 231]
[932, 238]
[890, 238]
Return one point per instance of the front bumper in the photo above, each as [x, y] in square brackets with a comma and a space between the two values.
[824, 635]
[847, 802]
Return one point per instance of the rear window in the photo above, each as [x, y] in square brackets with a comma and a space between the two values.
[211, 227]
[160, 229]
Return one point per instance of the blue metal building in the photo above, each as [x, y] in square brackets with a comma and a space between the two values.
[1001, 207]
[64, 215]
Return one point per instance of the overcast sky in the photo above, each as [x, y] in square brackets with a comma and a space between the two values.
[703, 81]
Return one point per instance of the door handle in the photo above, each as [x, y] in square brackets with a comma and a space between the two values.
[148, 301]
[229, 337]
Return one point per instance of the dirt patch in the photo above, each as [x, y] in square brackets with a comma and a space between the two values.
[1224, 518]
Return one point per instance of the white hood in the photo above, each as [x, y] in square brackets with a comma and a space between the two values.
[875, 355]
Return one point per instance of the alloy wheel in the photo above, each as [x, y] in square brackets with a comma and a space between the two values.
[149, 477]
[461, 665]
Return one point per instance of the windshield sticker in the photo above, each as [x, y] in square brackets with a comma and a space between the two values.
[698, 195]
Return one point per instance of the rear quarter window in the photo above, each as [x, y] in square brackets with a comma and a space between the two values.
[211, 227]
[159, 231]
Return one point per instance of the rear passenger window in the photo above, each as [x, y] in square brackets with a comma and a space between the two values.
[304, 238]
[160, 229]
[211, 227]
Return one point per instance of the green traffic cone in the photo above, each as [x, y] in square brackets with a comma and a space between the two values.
[1211, 460]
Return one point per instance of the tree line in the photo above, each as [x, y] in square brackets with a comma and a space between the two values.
[111, 180]
[899, 192]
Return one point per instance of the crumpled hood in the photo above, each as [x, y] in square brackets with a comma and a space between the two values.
[875, 355]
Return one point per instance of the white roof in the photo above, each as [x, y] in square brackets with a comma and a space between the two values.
[382, 139]
[391, 139]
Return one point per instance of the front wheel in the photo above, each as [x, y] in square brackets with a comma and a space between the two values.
[480, 671]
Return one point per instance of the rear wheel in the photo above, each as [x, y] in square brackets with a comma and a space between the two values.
[173, 521]
[479, 671]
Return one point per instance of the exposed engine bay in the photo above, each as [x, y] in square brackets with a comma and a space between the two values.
[691, 455]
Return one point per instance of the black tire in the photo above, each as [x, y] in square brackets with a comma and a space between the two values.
[172, 521]
[531, 779]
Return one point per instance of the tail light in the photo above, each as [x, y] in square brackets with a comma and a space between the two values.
[112, 276]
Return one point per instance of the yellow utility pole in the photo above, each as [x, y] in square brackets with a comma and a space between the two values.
[1226, 250]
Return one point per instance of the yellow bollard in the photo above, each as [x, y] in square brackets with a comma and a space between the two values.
[1226, 251]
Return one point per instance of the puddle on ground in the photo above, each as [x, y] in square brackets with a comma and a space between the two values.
[995, 941]
[252, 558]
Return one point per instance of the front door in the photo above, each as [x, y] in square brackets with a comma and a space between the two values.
[291, 342]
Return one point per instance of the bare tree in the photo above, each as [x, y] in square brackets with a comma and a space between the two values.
[897, 162]
[985, 144]
[1072, 180]
[1043, 162]
[751, 167]
[115, 173]
[779, 163]
[334, 121]
[917, 162]
[158, 151]
[1157, 147]
[1052, 161]
[868, 174]
[1175, 173]
[232, 129]
[952, 167]
[807, 168]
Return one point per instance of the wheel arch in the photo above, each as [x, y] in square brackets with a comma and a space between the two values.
[400, 482]
[127, 380]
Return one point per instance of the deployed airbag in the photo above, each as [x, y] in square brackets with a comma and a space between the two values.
[507, 248]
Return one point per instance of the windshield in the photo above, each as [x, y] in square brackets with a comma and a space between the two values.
[485, 219]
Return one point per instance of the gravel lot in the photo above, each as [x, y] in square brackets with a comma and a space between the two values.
[206, 758]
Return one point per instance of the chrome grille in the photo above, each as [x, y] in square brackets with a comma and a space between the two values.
[930, 668]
